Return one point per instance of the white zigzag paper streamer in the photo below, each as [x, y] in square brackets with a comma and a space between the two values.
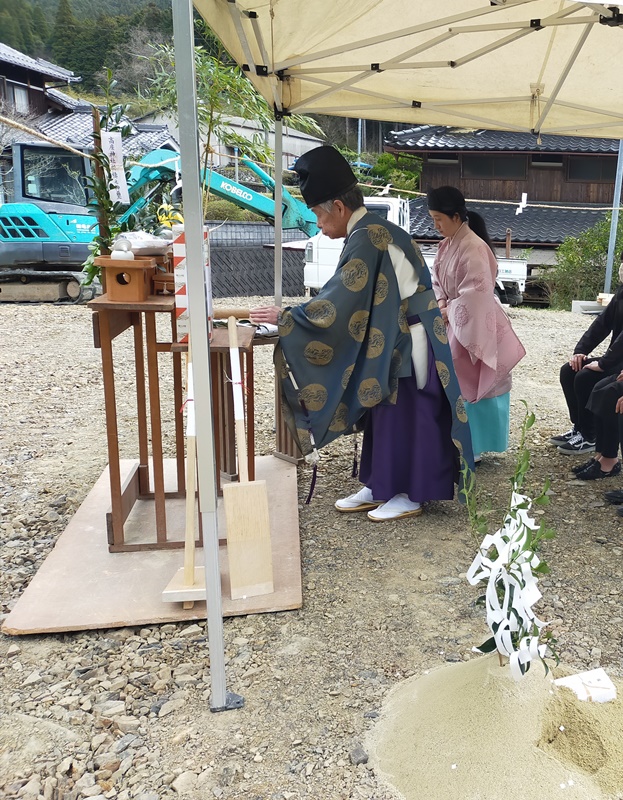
[509, 611]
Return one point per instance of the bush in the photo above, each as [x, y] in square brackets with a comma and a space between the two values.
[224, 210]
[580, 268]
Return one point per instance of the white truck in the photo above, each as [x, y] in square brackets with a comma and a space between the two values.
[322, 254]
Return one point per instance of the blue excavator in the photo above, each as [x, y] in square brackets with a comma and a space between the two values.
[47, 221]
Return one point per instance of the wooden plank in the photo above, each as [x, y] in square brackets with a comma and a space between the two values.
[248, 539]
[156, 427]
[125, 589]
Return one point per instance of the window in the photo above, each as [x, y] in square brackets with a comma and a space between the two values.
[596, 169]
[546, 161]
[443, 158]
[494, 167]
[53, 176]
[20, 99]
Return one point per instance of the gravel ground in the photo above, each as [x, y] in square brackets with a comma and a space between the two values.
[125, 713]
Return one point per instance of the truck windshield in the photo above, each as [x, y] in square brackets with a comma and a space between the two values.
[53, 175]
[380, 210]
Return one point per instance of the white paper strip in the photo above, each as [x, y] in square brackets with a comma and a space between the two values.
[113, 149]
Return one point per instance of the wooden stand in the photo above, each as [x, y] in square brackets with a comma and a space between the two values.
[110, 319]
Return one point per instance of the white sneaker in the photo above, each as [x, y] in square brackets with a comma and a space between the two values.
[398, 507]
[360, 501]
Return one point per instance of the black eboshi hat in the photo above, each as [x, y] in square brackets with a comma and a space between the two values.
[324, 174]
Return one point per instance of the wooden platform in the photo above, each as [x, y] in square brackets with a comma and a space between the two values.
[81, 586]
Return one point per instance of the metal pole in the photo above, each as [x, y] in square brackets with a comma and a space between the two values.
[358, 142]
[278, 212]
[614, 223]
[183, 34]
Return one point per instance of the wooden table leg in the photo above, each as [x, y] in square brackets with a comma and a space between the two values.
[156, 427]
[112, 433]
[179, 414]
[141, 404]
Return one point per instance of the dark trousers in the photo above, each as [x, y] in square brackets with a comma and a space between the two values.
[609, 427]
[577, 388]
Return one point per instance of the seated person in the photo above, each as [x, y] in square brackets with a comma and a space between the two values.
[582, 372]
[605, 403]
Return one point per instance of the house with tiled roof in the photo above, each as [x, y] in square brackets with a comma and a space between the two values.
[30, 89]
[568, 182]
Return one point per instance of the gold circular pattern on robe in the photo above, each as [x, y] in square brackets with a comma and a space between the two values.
[439, 330]
[339, 422]
[346, 375]
[314, 395]
[321, 312]
[433, 305]
[396, 362]
[443, 372]
[286, 323]
[402, 317]
[287, 413]
[376, 343]
[281, 365]
[458, 445]
[370, 393]
[418, 253]
[380, 237]
[420, 287]
[381, 289]
[318, 353]
[355, 274]
[357, 325]
[304, 440]
[460, 410]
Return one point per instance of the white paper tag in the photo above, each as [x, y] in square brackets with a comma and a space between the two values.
[113, 149]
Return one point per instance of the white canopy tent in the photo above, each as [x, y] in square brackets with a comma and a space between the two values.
[546, 66]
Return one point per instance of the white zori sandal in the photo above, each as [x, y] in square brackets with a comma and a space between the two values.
[360, 501]
[399, 507]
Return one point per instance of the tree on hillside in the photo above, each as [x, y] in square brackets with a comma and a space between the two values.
[65, 37]
[40, 27]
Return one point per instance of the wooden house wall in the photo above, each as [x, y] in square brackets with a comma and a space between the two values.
[33, 81]
[542, 183]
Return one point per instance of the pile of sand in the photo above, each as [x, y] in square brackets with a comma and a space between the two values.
[469, 731]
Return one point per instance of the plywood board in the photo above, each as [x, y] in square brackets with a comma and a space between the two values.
[81, 586]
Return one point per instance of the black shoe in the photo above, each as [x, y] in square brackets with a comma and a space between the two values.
[615, 497]
[563, 438]
[595, 471]
[581, 467]
[619, 512]
[576, 444]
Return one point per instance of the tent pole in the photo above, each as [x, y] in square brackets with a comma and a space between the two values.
[278, 210]
[614, 222]
[183, 32]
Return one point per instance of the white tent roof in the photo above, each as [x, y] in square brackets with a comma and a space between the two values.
[550, 66]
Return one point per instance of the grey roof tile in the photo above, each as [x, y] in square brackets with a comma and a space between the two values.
[52, 71]
[544, 225]
[438, 137]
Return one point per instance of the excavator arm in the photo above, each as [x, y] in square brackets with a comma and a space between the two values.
[160, 165]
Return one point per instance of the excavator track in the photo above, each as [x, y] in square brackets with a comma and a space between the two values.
[44, 286]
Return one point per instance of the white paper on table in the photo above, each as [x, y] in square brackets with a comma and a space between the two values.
[593, 685]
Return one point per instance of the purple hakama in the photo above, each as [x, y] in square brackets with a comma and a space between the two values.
[407, 447]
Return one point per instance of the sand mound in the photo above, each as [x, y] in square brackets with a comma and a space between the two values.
[469, 731]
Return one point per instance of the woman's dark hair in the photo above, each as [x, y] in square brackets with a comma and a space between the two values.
[449, 200]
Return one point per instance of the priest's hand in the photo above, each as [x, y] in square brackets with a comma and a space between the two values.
[265, 315]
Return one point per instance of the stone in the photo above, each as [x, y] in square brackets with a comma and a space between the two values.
[170, 706]
[185, 783]
[358, 756]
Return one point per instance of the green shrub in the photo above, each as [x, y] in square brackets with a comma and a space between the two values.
[224, 210]
[580, 268]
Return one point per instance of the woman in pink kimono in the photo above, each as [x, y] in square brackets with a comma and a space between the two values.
[484, 346]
